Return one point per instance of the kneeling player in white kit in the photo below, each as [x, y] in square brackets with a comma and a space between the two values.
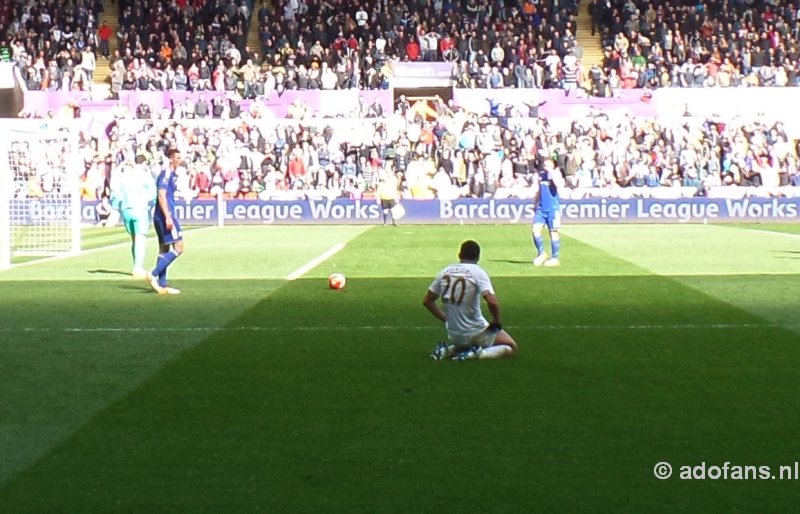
[461, 287]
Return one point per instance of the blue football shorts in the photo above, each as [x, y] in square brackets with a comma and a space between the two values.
[551, 219]
[168, 237]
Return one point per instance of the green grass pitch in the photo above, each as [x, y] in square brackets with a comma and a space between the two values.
[254, 393]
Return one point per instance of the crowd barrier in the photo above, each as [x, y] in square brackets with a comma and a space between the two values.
[463, 211]
[326, 103]
[641, 102]
[667, 104]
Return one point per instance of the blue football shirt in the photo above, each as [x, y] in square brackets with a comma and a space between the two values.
[167, 181]
[548, 192]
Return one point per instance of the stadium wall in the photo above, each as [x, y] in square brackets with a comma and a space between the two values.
[473, 211]
[669, 104]
[326, 103]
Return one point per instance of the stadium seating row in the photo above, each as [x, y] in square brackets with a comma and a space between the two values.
[308, 44]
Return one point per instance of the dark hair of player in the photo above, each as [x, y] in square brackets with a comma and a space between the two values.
[470, 251]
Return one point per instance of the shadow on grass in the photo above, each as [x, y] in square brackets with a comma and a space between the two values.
[143, 288]
[511, 261]
[108, 272]
[787, 254]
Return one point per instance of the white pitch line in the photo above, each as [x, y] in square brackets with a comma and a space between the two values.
[63, 256]
[675, 326]
[302, 270]
[772, 232]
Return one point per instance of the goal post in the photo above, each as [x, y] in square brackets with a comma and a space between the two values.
[5, 221]
[40, 205]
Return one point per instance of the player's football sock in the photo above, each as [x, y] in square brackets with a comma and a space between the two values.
[160, 271]
[163, 261]
[538, 242]
[495, 352]
[468, 355]
[159, 265]
[139, 250]
[555, 245]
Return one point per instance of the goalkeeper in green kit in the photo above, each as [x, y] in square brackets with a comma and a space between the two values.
[133, 193]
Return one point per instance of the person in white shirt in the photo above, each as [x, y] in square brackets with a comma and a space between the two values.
[552, 62]
[497, 54]
[428, 43]
[289, 10]
[461, 287]
[88, 63]
[361, 16]
[328, 77]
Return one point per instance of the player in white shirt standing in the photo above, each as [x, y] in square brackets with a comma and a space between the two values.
[461, 287]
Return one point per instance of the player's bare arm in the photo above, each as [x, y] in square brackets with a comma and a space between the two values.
[494, 306]
[558, 178]
[430, 303]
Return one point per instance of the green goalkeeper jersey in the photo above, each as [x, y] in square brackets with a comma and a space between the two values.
[134, 193]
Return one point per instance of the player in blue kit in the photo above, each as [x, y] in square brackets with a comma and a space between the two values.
[546, 183]
[168, 228]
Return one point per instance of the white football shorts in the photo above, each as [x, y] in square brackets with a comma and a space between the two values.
[484, 339]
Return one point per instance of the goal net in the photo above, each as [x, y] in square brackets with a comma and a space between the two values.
[39, 193]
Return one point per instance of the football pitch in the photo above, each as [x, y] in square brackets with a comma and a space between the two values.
[261, 390]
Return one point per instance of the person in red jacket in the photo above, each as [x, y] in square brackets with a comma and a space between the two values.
[445, 44]
[104, 35]
[412, 50]
[352, 44]
[296, 171]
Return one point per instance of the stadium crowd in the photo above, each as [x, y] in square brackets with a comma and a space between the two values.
[321, 44]
[459, 155]
[723, 43]
[52, 42]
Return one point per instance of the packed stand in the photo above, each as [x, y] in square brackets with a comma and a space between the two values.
[53, 43]
[305, 44]
[161, 45]
[202, 46]
[717, 43]
[184, 45]
[492, 44]
[460, 154]
[316, 44]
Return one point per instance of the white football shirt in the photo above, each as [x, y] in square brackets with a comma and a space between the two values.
[461, 287]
